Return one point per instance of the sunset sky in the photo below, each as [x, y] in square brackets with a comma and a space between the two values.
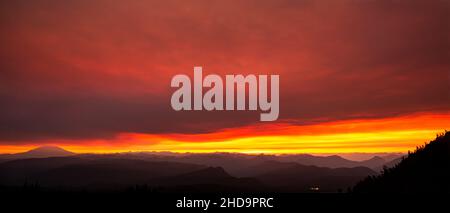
[94, 76]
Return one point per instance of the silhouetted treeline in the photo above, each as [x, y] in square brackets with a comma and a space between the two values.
[427, 169]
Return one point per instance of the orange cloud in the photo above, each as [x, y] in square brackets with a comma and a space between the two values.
[89, 69]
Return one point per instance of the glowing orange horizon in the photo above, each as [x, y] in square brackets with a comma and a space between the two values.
[395, 134]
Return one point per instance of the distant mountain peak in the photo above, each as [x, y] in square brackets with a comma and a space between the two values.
[48, 147]
[336, 157]
[46, 151]
[376, 158]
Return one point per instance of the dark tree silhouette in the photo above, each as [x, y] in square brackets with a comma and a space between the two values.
[427, 169]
